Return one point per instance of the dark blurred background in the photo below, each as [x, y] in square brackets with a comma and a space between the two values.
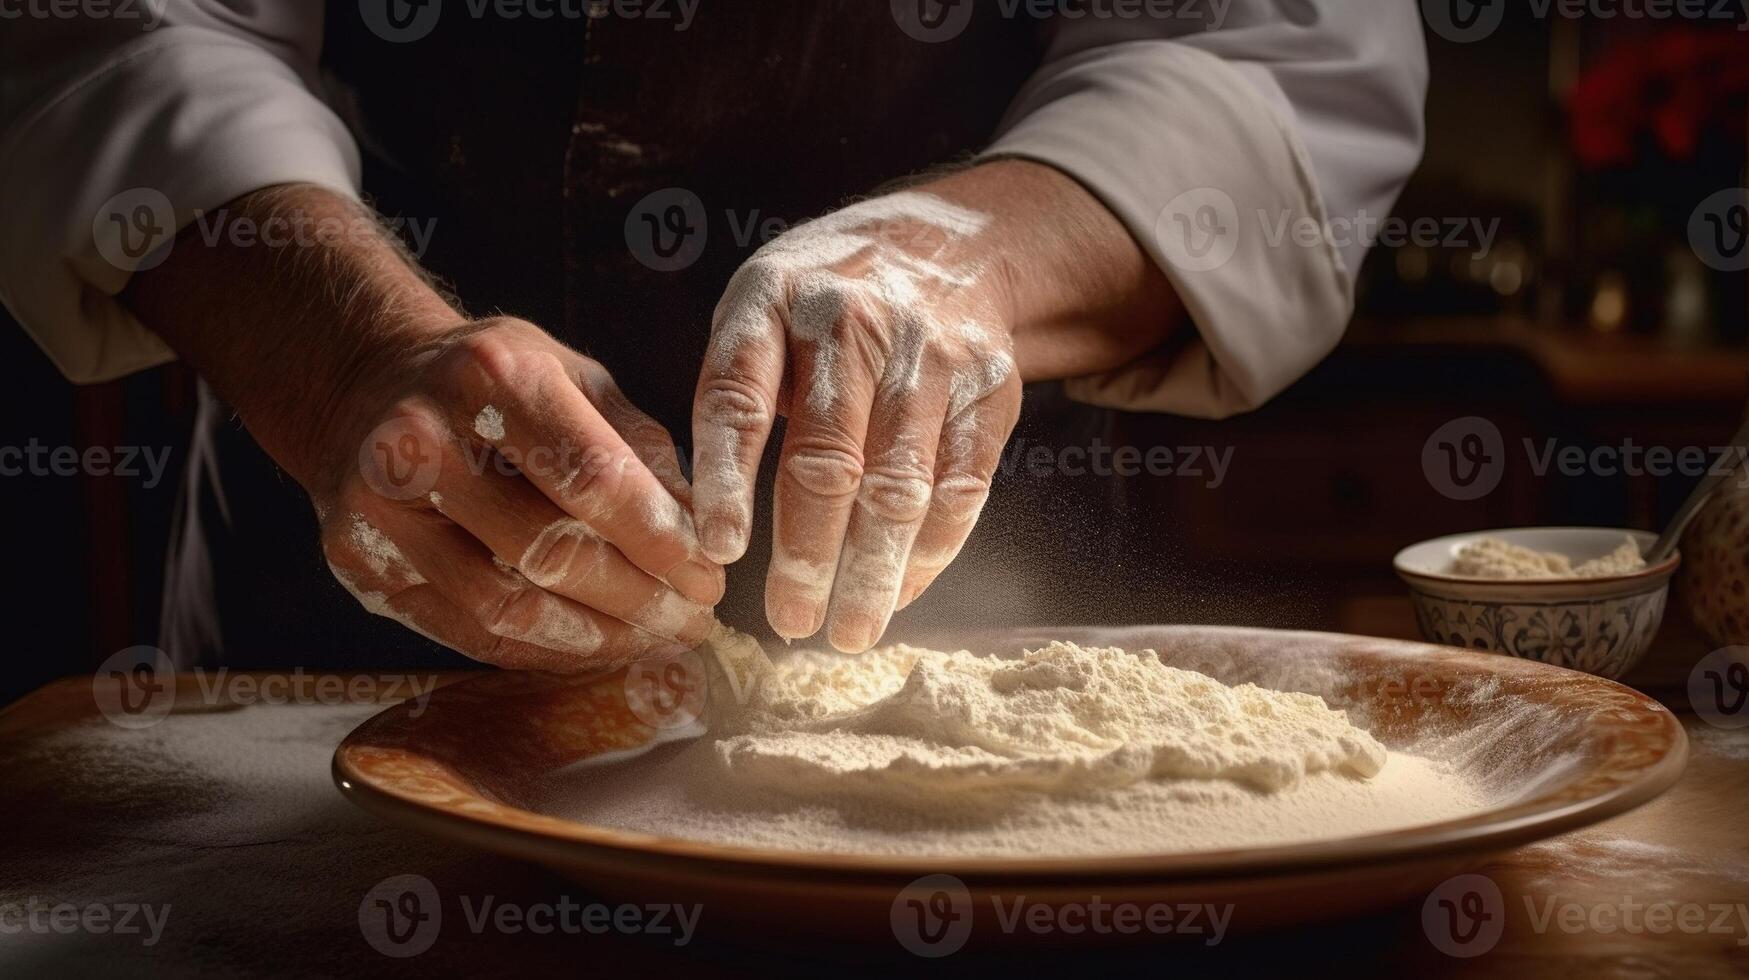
[1591, 317]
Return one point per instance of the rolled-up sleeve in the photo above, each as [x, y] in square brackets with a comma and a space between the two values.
[116, 133]
[1249, 157]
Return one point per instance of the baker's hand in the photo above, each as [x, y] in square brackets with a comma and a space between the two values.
[882, 333]
[495, 491]
[475, 480]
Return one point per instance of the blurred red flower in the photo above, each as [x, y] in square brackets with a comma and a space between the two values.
[1673, 85]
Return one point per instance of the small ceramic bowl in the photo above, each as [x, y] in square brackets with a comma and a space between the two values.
[1602, 626]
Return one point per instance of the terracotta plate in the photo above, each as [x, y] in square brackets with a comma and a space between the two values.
[1566, 749]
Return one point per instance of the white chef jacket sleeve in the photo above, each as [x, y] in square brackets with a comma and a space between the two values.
[116, 131]
[1248, 157]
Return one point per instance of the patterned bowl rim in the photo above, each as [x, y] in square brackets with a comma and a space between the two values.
[1653, 575]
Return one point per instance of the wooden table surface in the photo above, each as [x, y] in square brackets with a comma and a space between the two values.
[220, 820]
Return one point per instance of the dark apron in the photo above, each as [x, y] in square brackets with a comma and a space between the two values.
[604, 178]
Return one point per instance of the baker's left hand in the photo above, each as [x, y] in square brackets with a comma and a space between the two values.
[886, 333]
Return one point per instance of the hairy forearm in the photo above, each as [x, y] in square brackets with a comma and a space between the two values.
[1083, 295]
[282, 301]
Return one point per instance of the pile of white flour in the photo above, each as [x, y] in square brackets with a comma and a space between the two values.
[1497, 559]
[1068, 750]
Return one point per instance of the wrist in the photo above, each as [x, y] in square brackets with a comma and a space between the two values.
[1079, 295]
[312, 415]
[303, 327]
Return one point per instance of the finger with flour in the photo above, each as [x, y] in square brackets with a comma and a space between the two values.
[501, 601]
[734, 408]
[820, 469]
[534, 412]
[563, 555]
[422, 607]
[648, 439]
[890, 506]
[377, 573]
[966, 463]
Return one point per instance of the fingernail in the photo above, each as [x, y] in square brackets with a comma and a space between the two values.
[854, 633]
[723, 541]
[673, 616]
[794, 620]
[697, 581]
[908, 596]
[700, 628]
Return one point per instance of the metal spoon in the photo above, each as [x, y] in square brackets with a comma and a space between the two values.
[1665, 546]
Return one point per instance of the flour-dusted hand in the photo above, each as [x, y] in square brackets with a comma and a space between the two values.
[475, 480]
[881, 331]
[508, 501]
[895, 335]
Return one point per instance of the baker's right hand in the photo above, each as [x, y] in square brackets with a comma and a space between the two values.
[495, 491]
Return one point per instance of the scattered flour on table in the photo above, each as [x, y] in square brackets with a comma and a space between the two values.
[1497, 559]
[1067, 750]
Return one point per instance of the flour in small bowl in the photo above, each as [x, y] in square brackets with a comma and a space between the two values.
[1493, 558]
[1067, 750]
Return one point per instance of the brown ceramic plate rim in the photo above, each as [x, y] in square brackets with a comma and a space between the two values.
[547, 839]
